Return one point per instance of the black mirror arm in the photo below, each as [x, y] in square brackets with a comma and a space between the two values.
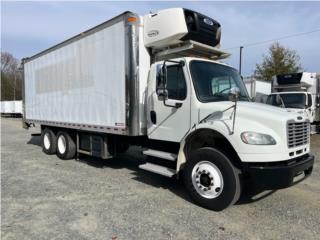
[181, 63]
[176, 105]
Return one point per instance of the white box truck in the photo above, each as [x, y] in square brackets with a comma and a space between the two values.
[156, 81]
[298, 92]
[258, 90]
[11, 108]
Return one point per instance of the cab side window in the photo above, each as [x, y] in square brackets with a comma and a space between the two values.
[176, 83]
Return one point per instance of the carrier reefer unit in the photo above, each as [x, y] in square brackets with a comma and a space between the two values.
[299, 92]
[157, 81]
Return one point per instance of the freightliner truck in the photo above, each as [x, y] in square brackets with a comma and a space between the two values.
[299, 92]
[157, 81]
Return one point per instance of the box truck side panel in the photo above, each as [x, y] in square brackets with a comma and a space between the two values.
[18, 107]
[82, 82]
[144, 66]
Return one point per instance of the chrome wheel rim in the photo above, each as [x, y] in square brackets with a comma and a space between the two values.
[207, 179]
[62, 144]
[46, 141]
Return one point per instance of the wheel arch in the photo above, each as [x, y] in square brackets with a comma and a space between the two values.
[206, 137]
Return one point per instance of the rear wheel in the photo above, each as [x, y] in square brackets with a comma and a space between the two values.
[49, 141]
[66, 147]
[211, 179]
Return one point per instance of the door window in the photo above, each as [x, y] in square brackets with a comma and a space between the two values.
[176, 83]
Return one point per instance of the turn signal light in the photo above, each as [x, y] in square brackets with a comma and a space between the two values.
[132, 19]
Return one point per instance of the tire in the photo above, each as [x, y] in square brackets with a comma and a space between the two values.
[66, 146]
[49, 141]
[211, 179]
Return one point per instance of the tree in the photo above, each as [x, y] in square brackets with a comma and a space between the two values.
[9, 64]
[280, 60]
[11, 78]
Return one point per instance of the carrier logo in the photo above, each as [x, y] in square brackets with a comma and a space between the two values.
[153, 33]
[208, 21]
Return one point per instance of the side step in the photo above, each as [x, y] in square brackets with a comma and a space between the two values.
[160, 154]
[168, 172]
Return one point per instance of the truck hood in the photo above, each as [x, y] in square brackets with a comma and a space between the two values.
[296, 110]
[254, 111]
[251, 117]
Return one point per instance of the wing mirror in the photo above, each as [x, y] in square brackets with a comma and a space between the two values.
[234, 94]
[161, 89]
[162, 93]
[318, 101]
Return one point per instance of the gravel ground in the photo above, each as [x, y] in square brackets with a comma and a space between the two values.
[47, 198]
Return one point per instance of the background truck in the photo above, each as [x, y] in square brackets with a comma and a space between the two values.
[11, 108]
[156, 81]
[258, 90]
[299, 92]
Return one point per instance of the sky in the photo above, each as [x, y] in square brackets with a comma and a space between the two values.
[30, 27]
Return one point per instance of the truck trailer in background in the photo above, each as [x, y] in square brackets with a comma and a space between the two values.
[11, 108]
[299, 92]
[258, 90]
[157, 81]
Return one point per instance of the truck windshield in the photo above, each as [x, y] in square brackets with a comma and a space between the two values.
[213, 81]
[289, 100]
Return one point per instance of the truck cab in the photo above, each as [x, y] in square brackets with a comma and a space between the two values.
[299, 102]
[191, 101]
[300, 93]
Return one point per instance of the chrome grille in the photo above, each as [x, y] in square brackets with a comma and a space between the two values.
[298, 133]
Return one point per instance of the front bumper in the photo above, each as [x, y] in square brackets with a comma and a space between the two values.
[276, 175]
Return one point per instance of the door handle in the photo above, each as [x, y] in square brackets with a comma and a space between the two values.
[153, 117]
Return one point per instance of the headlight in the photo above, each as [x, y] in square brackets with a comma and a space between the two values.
[257, 138]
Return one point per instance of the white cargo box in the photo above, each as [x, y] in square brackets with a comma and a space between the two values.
[91, 81]
[11, 107]
[7, 106]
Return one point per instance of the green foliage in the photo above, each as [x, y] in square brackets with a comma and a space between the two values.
[280, 60]
[6, 88]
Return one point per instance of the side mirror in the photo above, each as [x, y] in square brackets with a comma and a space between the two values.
[234, 94]
[162, 82]
[162, 93]
[161, 89]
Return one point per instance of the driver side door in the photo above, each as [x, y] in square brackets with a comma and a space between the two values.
[169, 123]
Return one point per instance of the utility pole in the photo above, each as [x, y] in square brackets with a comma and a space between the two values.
[14, 86]
[240, 60]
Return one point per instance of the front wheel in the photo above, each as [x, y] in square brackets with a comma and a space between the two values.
[211, 179]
